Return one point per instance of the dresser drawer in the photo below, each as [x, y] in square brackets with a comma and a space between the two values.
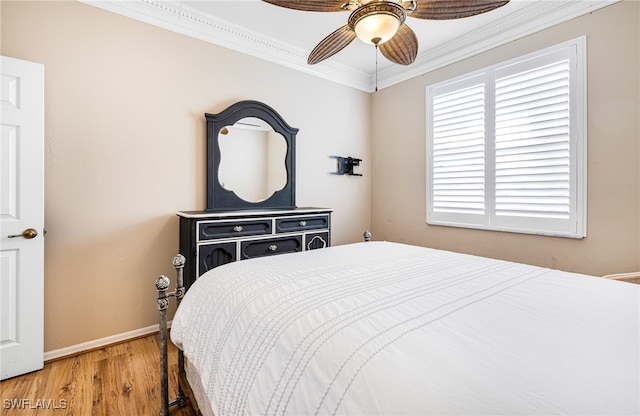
[214, 255]
[313, 241]
[311, 222]
[224, 229]
[270, 246]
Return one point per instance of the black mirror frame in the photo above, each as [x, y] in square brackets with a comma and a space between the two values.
[220, 199]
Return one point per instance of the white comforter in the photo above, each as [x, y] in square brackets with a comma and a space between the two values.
[386, 328]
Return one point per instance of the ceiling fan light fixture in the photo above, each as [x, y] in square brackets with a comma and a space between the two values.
[377, 22]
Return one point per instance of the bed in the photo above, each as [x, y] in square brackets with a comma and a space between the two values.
[381, 328]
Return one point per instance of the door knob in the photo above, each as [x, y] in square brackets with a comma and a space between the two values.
[29, 233]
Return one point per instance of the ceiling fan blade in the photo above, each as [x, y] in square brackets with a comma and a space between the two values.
[332, 44]
[402, 48]
[453, 9]
[310, 5]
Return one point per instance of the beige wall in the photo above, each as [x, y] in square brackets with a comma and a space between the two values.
[125, 150]
[613, 241]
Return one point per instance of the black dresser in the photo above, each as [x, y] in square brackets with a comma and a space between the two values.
[210, 239]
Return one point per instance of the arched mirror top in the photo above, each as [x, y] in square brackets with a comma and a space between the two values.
[250, 158]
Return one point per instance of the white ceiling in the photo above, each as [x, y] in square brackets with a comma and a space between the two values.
[287, 36]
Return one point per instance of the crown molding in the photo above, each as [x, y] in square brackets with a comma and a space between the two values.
[171, 15]
[533, 18]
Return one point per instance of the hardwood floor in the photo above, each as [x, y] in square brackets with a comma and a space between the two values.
[122, 379]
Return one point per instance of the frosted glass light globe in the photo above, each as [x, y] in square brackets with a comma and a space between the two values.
[377, 28]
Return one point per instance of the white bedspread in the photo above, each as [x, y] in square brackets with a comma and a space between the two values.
[391, 329]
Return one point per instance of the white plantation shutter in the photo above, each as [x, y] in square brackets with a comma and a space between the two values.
[532, 143]
[506, 146]
[458, 151]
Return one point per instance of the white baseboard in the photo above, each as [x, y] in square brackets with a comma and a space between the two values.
[101, 342]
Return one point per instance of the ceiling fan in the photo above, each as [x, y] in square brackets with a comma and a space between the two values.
[381, 23]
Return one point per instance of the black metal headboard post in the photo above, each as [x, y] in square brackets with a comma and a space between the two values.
[162, 284]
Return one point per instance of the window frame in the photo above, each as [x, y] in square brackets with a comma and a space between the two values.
[573, 227]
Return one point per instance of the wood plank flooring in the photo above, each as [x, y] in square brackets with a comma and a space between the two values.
[122, 379]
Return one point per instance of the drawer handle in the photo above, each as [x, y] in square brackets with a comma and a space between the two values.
[237, 228]
[273, 247]
[302, 223]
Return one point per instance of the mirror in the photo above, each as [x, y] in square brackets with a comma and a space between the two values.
[250, 158]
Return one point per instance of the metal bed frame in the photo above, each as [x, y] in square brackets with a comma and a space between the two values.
[184, 389]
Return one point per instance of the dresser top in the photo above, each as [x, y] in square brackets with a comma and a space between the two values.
[252, 212]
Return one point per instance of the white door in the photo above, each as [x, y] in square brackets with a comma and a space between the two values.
[21, 217]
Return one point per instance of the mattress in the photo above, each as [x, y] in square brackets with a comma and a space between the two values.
[383, 328]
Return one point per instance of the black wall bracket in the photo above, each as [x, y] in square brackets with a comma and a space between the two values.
[346, 165]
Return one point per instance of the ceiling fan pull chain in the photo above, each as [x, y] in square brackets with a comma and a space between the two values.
[376, 41]
[376, 67]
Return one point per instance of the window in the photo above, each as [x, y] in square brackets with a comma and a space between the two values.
[506, 146]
